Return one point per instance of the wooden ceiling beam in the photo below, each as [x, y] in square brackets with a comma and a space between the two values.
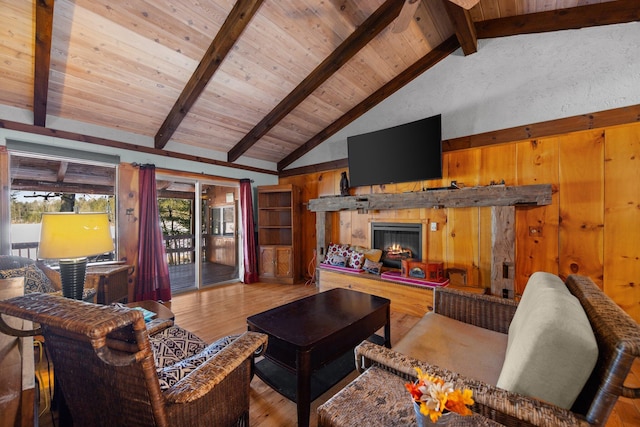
[406, 16]
[601, 119]
[89, 139]
[62, 171]
[613, 12]
[423, 64]
[465, 4]
[59, 187]
[229, 33]
[42, 60]
[464, 27]
[369, 29]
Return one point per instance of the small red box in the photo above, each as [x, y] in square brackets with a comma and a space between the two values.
[435, 272]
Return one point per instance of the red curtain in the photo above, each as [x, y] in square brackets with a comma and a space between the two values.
[249, 239]
[153, 271]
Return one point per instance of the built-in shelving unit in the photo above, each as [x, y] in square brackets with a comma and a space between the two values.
[278, 231]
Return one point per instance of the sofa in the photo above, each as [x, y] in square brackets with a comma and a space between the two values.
[558, 357]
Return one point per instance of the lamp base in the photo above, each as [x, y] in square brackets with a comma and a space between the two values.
[72, 275]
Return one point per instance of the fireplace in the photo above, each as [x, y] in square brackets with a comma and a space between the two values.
[397, 241]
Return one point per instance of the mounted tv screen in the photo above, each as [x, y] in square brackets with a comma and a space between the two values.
[409, 152]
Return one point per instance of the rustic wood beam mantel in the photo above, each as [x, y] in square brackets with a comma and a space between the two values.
[229, 33]
[493, 195]
[42, 60]
[360, 38]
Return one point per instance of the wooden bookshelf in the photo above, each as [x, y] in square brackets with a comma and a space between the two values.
[278, 233]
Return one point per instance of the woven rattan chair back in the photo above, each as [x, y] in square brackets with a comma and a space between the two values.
[102, 359]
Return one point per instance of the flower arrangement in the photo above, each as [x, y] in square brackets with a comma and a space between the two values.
[436, 396]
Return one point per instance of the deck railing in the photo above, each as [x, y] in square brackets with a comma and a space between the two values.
[180, 249]
[25, 250]
[30, 250]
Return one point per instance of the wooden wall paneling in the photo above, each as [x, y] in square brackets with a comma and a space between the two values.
[5, 207]
[360, 229]
[128, 215]
[436, 240]
[308, 190]
[622, 218]
[581, 197]
[462, 250]
[308, 185]
[409, 214]
[536, 227]
[344, 231]
[326, 183]
[312, 186]
[384, 215]
[497, 164]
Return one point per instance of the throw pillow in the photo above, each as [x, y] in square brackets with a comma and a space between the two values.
[372, 254]
[553, 353]
[337, 249]
[337, 260]
[356, 259]
[537, 283]
[174, 344]
[170, 375]
[34, 279]
[372, 267]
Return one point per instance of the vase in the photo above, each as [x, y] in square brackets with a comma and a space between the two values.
[425, 420]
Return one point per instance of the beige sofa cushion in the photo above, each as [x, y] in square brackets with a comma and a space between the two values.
[469, 350]
[537, 281]
[552, 351]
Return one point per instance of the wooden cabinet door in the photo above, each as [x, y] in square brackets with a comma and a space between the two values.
[267, 261]
[283, 262]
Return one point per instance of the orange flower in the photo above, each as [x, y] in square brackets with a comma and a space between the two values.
[436, 396]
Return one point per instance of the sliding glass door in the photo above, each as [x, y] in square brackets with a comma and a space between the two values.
[198, 220]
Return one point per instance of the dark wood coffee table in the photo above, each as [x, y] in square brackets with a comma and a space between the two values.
[308, 334]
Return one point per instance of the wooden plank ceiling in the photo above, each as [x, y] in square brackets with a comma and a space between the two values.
[265, 79]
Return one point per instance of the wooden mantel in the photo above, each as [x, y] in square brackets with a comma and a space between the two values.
[493, 195]
[502, 200]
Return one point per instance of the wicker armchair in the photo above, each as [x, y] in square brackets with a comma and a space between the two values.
[106, 369]
[617, 336]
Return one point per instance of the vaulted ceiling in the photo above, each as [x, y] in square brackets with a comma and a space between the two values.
[260, 79]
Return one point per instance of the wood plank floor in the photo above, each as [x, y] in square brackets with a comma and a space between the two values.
[222, 310]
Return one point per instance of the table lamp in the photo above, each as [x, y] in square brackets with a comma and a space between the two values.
[71, 238]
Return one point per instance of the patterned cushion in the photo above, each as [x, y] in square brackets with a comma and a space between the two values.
[335, 259]
[372, 267]
[170, 375]
[356, 259]
[174, 344]
[34, 279]
[337, 249]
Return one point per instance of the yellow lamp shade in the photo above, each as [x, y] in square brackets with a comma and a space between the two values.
[74, 235]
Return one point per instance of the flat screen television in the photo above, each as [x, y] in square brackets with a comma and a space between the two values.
[404, 153]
